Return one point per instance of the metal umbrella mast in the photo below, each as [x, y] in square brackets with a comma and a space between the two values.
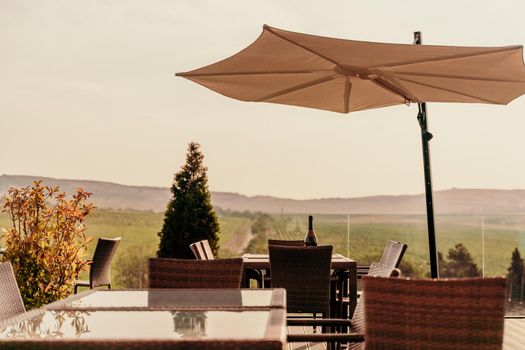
[426, 136]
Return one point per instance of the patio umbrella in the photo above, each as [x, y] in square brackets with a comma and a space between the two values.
[345, 76]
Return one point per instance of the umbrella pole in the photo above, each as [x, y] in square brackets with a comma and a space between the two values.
[426, 136]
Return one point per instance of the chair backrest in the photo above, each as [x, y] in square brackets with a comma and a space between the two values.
[378, 269]
[198, 252]
[185, 273]
[393, 253]
[465, 313]
[290, 243]
[305, 274]
[100, 269]
[207, 249]
[11, 303]
[202, 250]
[358, 319]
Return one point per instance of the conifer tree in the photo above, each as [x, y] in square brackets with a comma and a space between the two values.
[516, 276]
[460, 263]
[189, 216]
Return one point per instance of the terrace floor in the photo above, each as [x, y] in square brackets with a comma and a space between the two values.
[513, 338]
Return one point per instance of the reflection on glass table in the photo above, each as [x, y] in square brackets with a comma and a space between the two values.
[71, 329]
[140, 325]
[173, 299]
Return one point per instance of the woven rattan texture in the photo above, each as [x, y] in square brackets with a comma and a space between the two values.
[358, 319]
[11, 303]
[291, 243]
[393, 253]
[434, 314]
[100, 268]
[181, 273]
[305, 274]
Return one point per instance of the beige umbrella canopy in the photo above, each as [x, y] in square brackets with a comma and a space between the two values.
[346, 75]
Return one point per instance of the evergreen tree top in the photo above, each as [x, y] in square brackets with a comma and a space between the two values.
[189, 216]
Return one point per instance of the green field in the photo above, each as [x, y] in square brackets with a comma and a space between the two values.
[363, 239]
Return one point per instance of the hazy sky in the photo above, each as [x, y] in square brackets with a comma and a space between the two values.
[88, 92]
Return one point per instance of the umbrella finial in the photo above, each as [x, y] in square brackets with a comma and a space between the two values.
[418, 38]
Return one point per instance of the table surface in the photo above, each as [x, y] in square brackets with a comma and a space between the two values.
[148, 299]
[262, 261]
[166, 318]
[161, 325]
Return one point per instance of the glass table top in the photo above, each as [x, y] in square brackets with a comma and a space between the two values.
[173, 298]
[123, 325]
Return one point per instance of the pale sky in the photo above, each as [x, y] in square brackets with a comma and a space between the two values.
[88, 91]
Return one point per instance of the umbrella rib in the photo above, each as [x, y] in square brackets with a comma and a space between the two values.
[302, 46]
[425, 60]
[190, 74]
[297, 87]
[394, 89]
[449, 90]
[450, 76]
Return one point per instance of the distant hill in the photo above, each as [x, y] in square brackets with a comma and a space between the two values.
[454, 201]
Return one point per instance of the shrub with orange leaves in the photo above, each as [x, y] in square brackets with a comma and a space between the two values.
[46, 242]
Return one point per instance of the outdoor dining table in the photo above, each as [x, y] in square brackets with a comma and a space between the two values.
[153, 319]
[344, 268]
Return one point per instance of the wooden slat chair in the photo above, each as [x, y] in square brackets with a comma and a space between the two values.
[100, 265]
[207, 249]
[460, 314]
[11, 303]
[198, 251]
[184, 273]
[202, 251]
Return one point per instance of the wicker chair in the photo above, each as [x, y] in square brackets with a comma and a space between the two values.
[305, 274]
[283, 242]
[393, 253]
[392, 256]
[347, 331]
[11, 303]
[100, 265]
[182, 273]
[431, 314]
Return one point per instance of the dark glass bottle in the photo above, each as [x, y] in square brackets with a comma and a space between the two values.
[310, 240]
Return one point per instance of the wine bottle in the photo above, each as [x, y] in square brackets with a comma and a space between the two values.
[310, 239]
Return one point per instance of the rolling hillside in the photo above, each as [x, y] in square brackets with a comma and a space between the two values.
[454, 201]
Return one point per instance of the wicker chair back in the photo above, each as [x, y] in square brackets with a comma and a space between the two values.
[431, 314]
[305, 274]
[100, 270]
[289, 243]
[393, 253]
[182, 273]
[11, 303]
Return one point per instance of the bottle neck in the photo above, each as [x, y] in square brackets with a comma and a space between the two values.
[310, 223]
